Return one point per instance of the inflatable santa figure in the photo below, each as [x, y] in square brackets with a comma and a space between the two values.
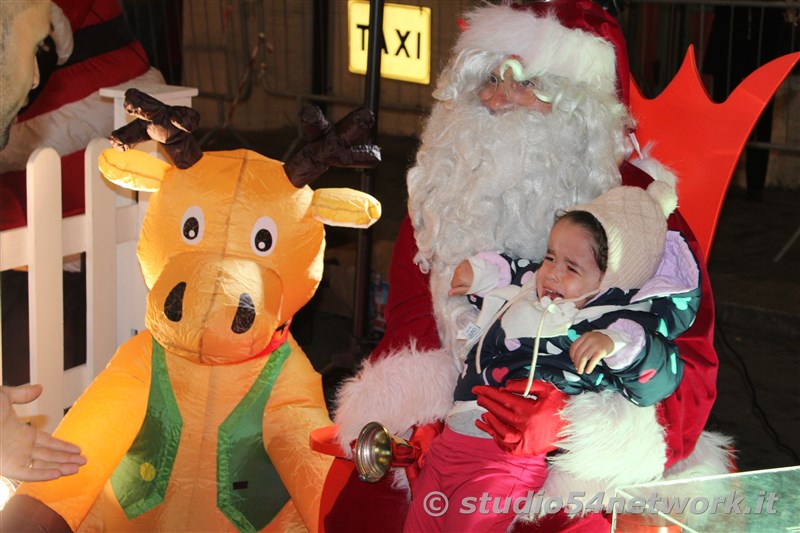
[94, 47]
[532, 115]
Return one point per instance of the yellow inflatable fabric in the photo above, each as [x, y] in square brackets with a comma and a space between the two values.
[202, 421]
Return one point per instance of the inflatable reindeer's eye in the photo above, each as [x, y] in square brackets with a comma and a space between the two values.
[192, 225]
[264, 236]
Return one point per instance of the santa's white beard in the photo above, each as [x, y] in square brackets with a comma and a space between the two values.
[486, 182]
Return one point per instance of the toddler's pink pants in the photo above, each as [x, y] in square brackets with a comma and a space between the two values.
[479, 484]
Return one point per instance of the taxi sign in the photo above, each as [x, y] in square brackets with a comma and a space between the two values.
[406, 43]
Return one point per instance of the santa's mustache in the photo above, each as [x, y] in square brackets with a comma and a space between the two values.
[484, 180]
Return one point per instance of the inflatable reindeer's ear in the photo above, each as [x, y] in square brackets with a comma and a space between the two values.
[345, 208]
[332, 146]
[133, 169]
[172, 126]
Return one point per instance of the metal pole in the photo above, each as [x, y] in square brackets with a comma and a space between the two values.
[364, 245]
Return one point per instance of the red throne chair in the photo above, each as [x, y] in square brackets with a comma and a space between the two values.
[700, 141]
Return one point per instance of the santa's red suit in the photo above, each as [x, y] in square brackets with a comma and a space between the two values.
[492, 181]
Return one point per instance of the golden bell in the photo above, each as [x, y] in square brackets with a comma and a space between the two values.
[377, 450]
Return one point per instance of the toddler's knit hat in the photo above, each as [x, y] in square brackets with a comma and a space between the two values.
[635, 222]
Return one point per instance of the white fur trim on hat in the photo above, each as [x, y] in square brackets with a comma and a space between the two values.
[666, 192]
[405, 388]
[543, 44]
[655, 168]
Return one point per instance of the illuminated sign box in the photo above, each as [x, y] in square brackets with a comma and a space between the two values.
[407, 41]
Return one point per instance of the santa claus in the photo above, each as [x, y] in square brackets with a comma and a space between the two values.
[531, 116]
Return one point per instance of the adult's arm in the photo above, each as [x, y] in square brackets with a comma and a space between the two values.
[408, 380]
[360, 506]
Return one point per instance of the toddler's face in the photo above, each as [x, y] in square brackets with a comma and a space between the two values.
[569, 269]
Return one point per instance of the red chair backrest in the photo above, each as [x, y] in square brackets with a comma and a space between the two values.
[701, 140]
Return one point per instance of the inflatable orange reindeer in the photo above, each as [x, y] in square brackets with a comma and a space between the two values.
[201, 422]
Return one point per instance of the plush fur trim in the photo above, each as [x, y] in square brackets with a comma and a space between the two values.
[655, 168]
[607, 441]
[611, 443]
[548, 47]
[406, 388]
[712, 455]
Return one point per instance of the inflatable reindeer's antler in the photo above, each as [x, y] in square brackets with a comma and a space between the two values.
[701, 140]
[332, 146]
[172, 126]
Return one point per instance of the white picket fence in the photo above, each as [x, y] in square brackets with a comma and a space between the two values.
[107, 233]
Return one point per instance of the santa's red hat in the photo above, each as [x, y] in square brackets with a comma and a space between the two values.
[574, 39]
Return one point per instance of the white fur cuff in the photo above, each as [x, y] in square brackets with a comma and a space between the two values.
[406, 388]
[609, 443]
[609, 438]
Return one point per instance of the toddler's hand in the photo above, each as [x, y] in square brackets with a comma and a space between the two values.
[462, 279]
[589, 349]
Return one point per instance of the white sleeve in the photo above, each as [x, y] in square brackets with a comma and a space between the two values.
[486, 272]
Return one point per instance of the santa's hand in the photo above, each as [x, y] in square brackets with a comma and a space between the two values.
[589, 349]
[522, 425]
[462, 279]
[420, 441]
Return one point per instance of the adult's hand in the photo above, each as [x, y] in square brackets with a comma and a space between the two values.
[522, 425]
[27, 453]
[421, 440]
[462, 279]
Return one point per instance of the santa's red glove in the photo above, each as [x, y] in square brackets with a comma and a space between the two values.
[420, 440]
[520, 425]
